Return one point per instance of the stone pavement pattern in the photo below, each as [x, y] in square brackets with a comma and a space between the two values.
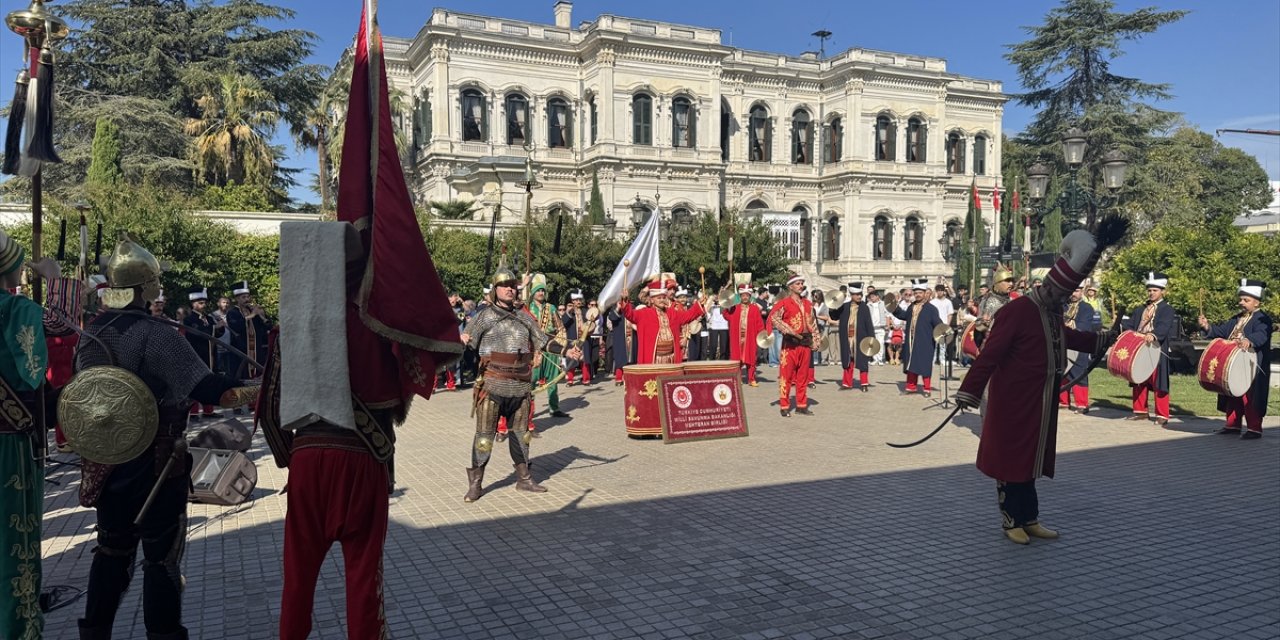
[809, 528]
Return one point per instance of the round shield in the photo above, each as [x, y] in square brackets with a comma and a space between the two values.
[108, 415]
[869, 346]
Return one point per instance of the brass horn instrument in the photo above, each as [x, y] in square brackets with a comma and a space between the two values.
[764, 339]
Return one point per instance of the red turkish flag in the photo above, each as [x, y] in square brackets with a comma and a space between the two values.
[995, 200]
[401, 298]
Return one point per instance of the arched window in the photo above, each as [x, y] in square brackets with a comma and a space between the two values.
[757, 204]
[882, 239]
[806, 232]
[761, 131]
[980, 155]
[559, 123]
[422, 121]
[955, 152]
[917, 140]
[951, 241]
[801, 138]
[595, 119]
[475, 123]
[834, 147]
[683, 121]
[642, 119]
[913, 248]
[886, 139]
[517, 108]
[726, 130]
[831, 239]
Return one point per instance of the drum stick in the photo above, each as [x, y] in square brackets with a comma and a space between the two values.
[625, 264]
[1201, 302]
[702, 276]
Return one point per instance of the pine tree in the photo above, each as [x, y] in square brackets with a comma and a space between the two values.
[104, 168]
[596, 205]
[1066, 67]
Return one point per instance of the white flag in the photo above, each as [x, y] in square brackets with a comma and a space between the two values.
[643, 254]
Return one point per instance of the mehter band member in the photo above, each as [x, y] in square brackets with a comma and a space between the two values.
[1023, 364]
[1251, 329]
[855, 326]
[200, 320]
[745, 320]
[658, 326]
[919, 344]
[1156, 321]
[511, 344]
[793, 317]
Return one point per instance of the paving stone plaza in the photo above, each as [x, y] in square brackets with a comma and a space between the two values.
[809, 528]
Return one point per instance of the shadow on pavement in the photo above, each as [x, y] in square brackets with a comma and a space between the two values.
[1154, 538]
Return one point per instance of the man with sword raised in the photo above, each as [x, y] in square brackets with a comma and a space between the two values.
[1025, 352]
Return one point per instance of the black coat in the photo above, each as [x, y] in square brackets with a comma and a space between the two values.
[205, 348]
[1165, 326]
[918, 344]
[1258, 331]
[863, 329]
[1086, 320]
[617, 339]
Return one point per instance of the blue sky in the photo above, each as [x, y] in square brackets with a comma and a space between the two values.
[1222, 60]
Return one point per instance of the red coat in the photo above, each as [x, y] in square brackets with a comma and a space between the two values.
[1020, 428]
[646, 321]
[797, 314]
[745, 321]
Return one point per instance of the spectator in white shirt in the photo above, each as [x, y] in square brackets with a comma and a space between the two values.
[878, 318]
[945, 311]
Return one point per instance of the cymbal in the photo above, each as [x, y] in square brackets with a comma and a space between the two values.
[764, 339]
[869, 346]
[940, 331]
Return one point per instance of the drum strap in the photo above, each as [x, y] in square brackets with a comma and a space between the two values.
[1239, 328]
[1148, 317]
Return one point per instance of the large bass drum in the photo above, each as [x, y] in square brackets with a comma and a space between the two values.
[640, 409]
[969, 342]
[1226, 368]
[1133, 358]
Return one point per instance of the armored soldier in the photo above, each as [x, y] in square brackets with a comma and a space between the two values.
[988, 304]
[160, 374]
[511, 344]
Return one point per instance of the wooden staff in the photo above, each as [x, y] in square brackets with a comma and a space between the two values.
[1201, 292]
[1114, 316]
[625, 264]
[702, 276]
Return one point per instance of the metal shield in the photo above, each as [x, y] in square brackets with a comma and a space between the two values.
[108, 415]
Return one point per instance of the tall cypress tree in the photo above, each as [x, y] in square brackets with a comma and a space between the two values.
[104, 166]
[596, 206]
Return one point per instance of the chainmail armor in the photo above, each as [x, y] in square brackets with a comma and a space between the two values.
[154, 352]
[498, 330]
[989, 305]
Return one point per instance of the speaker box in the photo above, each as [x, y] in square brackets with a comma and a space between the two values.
[221, 476]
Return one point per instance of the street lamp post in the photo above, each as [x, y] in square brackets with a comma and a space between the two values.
[1074, 197]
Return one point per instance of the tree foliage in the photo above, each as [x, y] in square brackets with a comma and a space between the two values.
[143, 66]
[231, 135]
[1066, 68]
[1191, 179]
[595, 206]
[1195, 257]
[755, 251]
[104, 169]
[454, 209]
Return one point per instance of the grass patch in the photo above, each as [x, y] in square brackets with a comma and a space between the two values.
[1186, 397]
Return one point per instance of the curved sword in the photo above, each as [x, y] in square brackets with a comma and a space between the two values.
[931, 433]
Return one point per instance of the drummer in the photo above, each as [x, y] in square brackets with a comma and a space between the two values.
[1157, 322]
[1251, 329]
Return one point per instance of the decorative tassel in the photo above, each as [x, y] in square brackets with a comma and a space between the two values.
[97, 248]
[41, 147]
[13, 135]
[84, 248]
[29, 166]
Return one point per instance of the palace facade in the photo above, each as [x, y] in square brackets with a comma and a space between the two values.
[861, 163]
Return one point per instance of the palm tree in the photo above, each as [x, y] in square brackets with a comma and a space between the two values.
[340, 87]
[318, 127]
[233, 133]
[454, 209]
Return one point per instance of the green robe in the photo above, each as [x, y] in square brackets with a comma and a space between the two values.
[23, 362]
[549, 320]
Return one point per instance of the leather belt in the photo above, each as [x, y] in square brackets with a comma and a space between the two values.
[327, 438]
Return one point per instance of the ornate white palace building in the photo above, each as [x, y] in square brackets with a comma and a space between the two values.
[861, 162]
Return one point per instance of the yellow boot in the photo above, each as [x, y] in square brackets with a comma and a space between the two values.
[1017, 535]
[1037, 530]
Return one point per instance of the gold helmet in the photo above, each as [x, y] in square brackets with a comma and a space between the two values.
[130, 266]
[504, 273]
[1003, 272]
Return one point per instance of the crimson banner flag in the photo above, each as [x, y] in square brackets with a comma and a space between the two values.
[401, 298]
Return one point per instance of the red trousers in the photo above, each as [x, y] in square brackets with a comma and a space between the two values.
[751, 371]
[794, 368]
[334, 496]
[848, 377]
[1240, 410]
[1078, 394]
[617, 374]
[1140, 398]
[911, 382]
[208, 409]
[586, 374]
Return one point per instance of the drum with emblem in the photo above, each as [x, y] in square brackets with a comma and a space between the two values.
[1133, 358]
[640, 411]
[1226, 368]
[725, 367]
